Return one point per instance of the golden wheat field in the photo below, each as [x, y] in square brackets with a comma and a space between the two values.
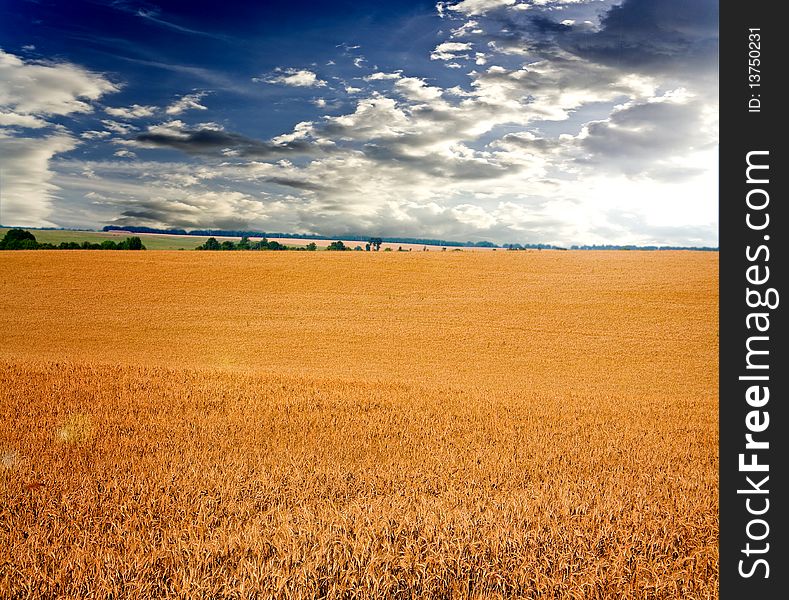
[358, 425]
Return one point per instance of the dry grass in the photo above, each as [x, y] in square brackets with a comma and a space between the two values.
[423, 425]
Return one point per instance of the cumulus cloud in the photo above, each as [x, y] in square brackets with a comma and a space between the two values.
[472, 8]
[12, 119]
[294, 78]
[94, 135]
[135, 111]
[644, 139]
[450, 50]
[417, 89]
[374, 118]
[379, 76]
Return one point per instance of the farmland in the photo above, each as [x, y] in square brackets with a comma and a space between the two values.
[163, 241]
[358, 425]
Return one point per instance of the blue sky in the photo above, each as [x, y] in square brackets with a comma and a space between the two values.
[507, 120]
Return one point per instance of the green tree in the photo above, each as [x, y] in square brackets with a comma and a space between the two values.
[375, 243]
[135, 243]
[338, 245]
[15, 239]
[244, 243]
[210, 244]
[312, 246]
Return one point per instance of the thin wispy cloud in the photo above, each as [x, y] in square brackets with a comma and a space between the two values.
[187, 102]
[153, 14]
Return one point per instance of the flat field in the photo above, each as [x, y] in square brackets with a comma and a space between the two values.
[358, 425]
[164, 241]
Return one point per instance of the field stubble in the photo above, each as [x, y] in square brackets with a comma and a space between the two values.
[537, 425]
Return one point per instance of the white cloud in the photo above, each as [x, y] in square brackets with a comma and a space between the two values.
[124, 154]
[300, 131]
[48, 88]
[416, 89]
[476, 216]
[383, 76]
[135, 111]
[28, 191]
[173, 127]
[295, 78]
[541, 143]
[31, 92]
[116, 127]
[12, 119]
[94, 135]
[472, 8]
[373, 118]
[450, 50]
[187, 102]
[469, 27]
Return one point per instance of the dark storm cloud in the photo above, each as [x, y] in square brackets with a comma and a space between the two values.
[677, 38]
[146, 215]
[294, 183]
[672, 37]
[545, 25]
[209, 142]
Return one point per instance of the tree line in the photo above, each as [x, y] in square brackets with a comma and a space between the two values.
[302, 236]
[21, 239]
[245, 244]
